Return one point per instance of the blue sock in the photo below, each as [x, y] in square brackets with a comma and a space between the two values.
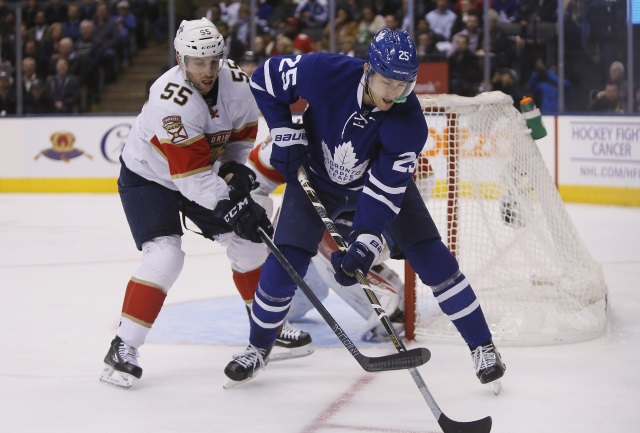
[437, 268]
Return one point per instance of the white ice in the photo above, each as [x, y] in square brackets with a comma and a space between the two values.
[64, 264]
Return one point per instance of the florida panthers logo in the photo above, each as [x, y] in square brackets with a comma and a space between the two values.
[341, 166]
[175, 129]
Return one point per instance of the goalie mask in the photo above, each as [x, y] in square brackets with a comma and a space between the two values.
[392, 65]
[199, 46]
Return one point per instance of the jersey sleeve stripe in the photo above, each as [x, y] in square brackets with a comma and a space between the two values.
[186, 161]
[381, 199]
[247, 132]
[267, 77]
[385, 188]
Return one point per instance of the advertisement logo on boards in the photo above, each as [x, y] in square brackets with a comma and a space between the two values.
[62, 147]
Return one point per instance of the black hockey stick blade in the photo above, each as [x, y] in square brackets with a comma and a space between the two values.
[450, 426]
[397, 361]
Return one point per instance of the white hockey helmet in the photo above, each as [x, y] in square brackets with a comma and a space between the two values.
[198, 38]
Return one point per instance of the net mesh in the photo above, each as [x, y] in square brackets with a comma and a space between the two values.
[497, 208]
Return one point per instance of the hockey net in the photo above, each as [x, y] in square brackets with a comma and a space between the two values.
[497, 208]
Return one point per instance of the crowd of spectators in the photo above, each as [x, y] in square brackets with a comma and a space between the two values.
[99, 38]
[70, 51]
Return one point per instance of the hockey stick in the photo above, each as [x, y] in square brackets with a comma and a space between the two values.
[448, 425]
[396, 361]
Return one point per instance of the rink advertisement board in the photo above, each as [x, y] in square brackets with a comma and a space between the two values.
[594, 159]
[599, 159]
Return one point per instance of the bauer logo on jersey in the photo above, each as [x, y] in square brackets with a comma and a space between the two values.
[175, 129]
[341, 166]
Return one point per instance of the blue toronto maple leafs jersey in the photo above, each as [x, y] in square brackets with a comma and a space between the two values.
[352, 147]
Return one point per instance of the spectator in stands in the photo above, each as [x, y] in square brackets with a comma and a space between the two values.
[391, 21]
[607, 100]
[472, 30]
[8, 38]
[248, 63]
[302, 43]
[40, 27]
[508, 10]
[464, 72]
[88, 9]
[106, 43]
[260, 47]
[214, 13]
[29, 12]
[345, 25]
[498, 44]
[616, 75]
[65, 50]
[282, 45]
[476, 5]
[442, 19]
[7, 93]
[312, 13]
[348, 46]
[506, 81]
[51, 40]
[427, 51]
[31, 49]
[29, 74]
[370, 24]
[242, 27]
[543, 82]
[71, 26]
[126, 24]
[35, 101]
[466, 9]
[63, 89]
[56, 11]
[235, 48]
[282, 11]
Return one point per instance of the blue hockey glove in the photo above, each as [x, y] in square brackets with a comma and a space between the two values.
[289, 150]
[360, 255]
[240, 178]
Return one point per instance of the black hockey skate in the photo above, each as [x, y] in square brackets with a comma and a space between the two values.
[488, 365]
[246, 365]
[296, 342]
[121, 365]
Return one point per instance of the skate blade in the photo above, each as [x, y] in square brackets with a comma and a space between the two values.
[233, 383]
[116, 378]
[296, 352]
[496, 386]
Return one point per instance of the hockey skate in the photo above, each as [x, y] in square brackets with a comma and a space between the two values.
[121, 365]
[293, 343]
[488, 365]
[246, 365]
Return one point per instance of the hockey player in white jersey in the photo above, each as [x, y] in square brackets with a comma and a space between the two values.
[185, 158]
[384, 281]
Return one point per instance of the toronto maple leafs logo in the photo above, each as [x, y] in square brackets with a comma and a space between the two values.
[341, 166]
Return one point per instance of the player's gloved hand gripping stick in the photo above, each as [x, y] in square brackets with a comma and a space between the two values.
[448, 425]
[397, 361]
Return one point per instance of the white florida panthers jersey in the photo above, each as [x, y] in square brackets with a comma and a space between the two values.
[180, 134]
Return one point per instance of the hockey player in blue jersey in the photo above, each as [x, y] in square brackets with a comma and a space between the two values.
[359, 142]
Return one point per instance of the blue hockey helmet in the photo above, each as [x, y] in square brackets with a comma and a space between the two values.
[393, 55]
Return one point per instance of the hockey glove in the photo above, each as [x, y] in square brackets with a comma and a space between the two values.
[360, 255]
[289, 150]
[240, 178]
[242, 213]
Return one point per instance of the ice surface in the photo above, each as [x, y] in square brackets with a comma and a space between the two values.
[64, 264]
